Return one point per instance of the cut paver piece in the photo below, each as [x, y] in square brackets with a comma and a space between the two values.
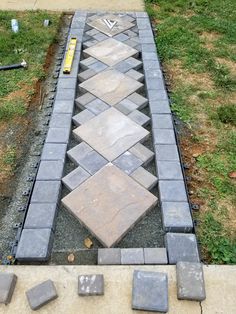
[110, 256]
[127, 162]
[75, 178]
[181, 247]
[50, 170]
[142, 152]
[91, 285]
[41, 294]
[111, 86]
[150, 291]
[155, 256]
[132, 256]
[139, 117]
[111, 133]
[83, 117]
[7, 287]
[103, 205]
[145, 178]
[190, 281]
[111, 51]
[110, 24]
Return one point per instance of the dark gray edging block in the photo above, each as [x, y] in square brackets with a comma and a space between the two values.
[181, 247]
[164, 136]
[134, 256]
[90, 285]
[155, 256]
[58, 135]
[169, 170]
[67, 83]
[176, 217]
[61, 120]
[65, 93]
[162, 121]
[35, 245]
[166, 152]
[63, 106]
[50, 170]
[7, 287]
[41, 295]
[52, 151]
[172, 191]
[150, 291]
[109, 256]
[190, 281]
[46, 192]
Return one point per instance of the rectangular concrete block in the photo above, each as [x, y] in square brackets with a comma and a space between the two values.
[63, 106]
[160, 106]
[61, 120]
[110, 256]
[149, 48]
[164, 136]
[7, 287]
[90, 285]
[58, 135]
[166, 152]
[155, 256]
[155, 83]
[169, 170]
[50, 170]
[54, 151]
[157, 94]
[162, 121]
[172, 191]
[76, 177]
[132, 256]
[46, 192]
[41, 294]
[65, 93]
[67, 83]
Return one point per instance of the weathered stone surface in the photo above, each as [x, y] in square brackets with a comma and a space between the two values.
[50, 170]
[127, 162]
[172, 191]
[46, 192]
[40, 295]
[145, 178]
[167, 152]
[132, 256]
[110, 51]
[75, 178]
[83, 117]
[162, 121]
[58, 135]
[7, 287]
[97, 106]
[155, 256]
[176, 217]
[54, 152]
[111, 133]
[91, 285]
[142, 152]
[34, 245]
[150, 291]
[169, 170]
[139, 117]
[181, 247]
[111, 86]
[190, 281]
[110, 256]
[164, 136]
[91, 204]
[139, 100]
[41, 216]
[135, 75]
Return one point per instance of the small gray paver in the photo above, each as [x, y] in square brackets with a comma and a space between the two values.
[151, 65]
[97, 106]
[155, 83]
[83, 117]
[92, 32]
[46, 192]
[150, 291]
[126, 106]
[149, 48]
[58, 135]
[149, 56]
[176, 217]
[142, 152]
[82, 101]
[162, 121]
[155, 256]
[145, 33]
[66, 83]
[63, 106]
[153, 73]
[190, 281]
[89, 43]
[50, 170]
[155, 94]
[181, 247]
[131, 43]
[132, 256]
[41, 216]
[79, 152]
[73, 179]
[65, 94]
[172, 191]
[169, 170]
[121, 37]
[139, 100]
[143, 23]
[91, 285]
[98, 66]
[100, 37]
[92, 162]
[40, 295]
[34, 245]
[54, 152]
[135, 75]
[60, 120]
[7, 287]
[84, 64]
[167, 152]
[127, 162]
[164, 136]
[139, 117]
[110, 256]
[85, 75]
[160, 106]
[128, 64]
[145, 178]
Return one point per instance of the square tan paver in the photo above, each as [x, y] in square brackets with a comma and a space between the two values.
[111, 51]
[111, 133]
[111, 86]
[109, 204]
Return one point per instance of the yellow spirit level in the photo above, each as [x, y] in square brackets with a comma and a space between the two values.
[69, 56]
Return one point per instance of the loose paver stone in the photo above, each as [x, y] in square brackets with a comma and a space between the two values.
[109, 256]
[7, 287]
[132, 256]
[155, 256]
[90, 285]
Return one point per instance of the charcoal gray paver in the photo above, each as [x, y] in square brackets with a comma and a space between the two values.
[155, 256]
[126, 106]
[85, 75]
[176, 217]
[91, 285]
[167, 152]
[60, 120]
[181, 247]
[7, 287]
[139, 117]
[150, 291]
[54, 152]
[164, 136]
[190, 281]
[97, 106]
[139, 100]
[50, 170]
[142, 152]
[58, 135]
[135, 75]
[73, 179]
[110, 256]
[41, 216]
[145, 178]
[134, 256]
[79, 152]
[34, 245]
[155, 83]
[172, 191]
[83, 117]
[63, 106]
[83, 100]
[46, 192]
[162, 121]
[169, 170]
[92, 162]
[42, 294]
[127, 162]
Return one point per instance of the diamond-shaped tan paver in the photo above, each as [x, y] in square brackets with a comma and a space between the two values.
[120, 24]
[111, 86]
[111, 133]
[109, 204]
[111, 51]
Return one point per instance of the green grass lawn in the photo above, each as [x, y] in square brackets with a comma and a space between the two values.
[196, 41]
[18, 87]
